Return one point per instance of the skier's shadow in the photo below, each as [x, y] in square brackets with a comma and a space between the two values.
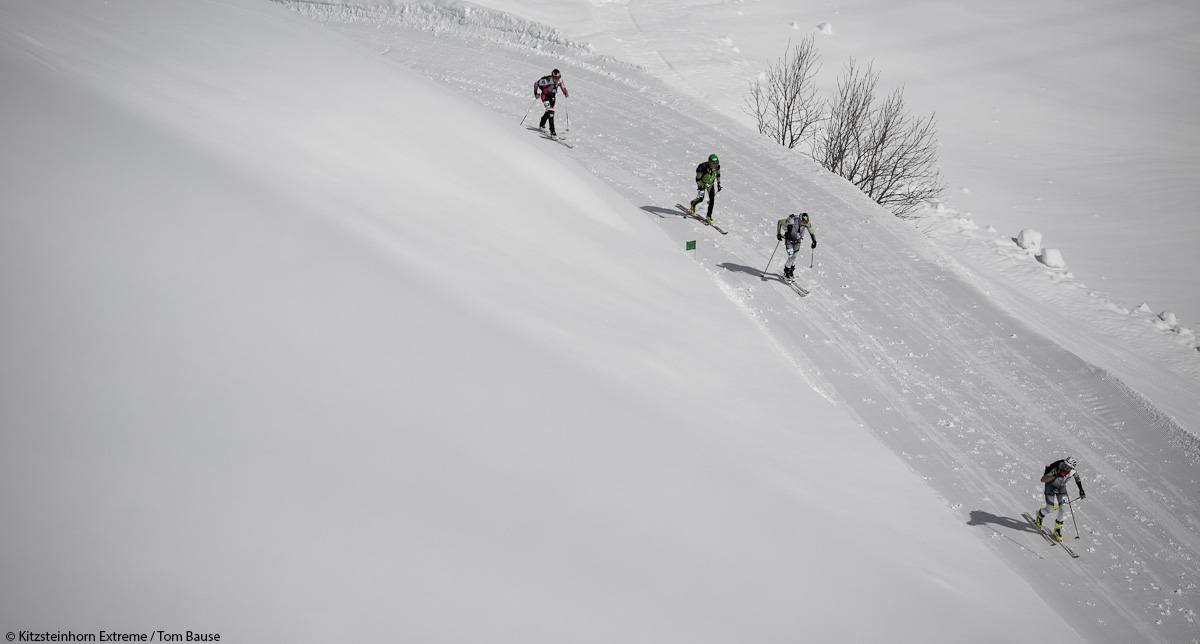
[749, 270]
[663, 212]
[979, 517]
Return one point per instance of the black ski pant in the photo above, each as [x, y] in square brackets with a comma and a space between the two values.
[712, 199]
[549, 115]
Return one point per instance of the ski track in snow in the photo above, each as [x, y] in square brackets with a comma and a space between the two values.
[869, 336]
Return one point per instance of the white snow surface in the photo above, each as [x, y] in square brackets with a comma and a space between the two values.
[305, 338]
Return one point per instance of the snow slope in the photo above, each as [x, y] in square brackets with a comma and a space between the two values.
[298, 344]
[1075, 119]
[905, 356]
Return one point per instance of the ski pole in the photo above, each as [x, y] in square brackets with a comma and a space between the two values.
[527, 111]
[1072, 506]
[764, 272]
[813, 258]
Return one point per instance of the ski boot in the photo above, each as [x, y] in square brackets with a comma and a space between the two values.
[1038, 518]
[708, 219]
[789, 273]
[1058, 531]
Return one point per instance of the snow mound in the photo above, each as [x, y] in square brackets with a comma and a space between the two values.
[825, 28]
[1029, 239]
[1052, 257]
[1169, 318]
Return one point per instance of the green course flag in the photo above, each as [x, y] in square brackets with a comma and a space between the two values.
[691, 245]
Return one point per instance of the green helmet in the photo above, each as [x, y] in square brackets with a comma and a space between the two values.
[713, 158]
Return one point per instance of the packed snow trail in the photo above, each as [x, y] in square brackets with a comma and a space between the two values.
[888, 317]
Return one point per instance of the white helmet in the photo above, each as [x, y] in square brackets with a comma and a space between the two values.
[1070, 460]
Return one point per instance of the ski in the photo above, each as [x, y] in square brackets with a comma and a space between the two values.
[559, 140]
[706, 222]
[800, 290]
[549, 137]
[1041, 531]
[1049, 537]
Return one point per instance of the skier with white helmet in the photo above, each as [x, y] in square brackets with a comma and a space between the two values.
[1056, 476]
[791, 230]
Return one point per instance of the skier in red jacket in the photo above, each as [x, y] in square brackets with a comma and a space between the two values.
[546, 88]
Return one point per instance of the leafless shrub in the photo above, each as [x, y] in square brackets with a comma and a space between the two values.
[784, 100]
[876, 144]
[880, 146]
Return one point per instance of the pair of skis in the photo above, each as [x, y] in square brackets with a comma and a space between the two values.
[800, 290]
[558, 139]
[687, 211]
[562, 140]
[1049, 537]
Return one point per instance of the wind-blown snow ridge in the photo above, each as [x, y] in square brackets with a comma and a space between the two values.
[471, 21]
[1182, 439]
[462, 17]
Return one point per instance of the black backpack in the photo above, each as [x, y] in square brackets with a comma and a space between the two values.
[1053, 467]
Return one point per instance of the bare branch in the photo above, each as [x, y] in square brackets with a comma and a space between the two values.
[880, 147]
[783, 100]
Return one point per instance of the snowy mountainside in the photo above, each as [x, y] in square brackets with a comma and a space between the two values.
[301, 346]
[963, 381]
[1153, 356]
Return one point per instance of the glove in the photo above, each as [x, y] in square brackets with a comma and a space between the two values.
[718, 187]
[779, 237]
[1082, 496]
[814, 244]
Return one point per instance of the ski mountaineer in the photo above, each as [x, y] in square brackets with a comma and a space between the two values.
[708, 173]
[791, 229]
[1056, 476]
[546, 88]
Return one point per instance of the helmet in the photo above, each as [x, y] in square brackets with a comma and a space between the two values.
[713, 157]
[555, 73]
[1070, 461]
[803, 216]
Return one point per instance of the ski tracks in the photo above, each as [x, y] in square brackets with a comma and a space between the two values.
[975, 402]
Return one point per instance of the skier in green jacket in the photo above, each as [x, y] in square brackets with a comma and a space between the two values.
[708, 179]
